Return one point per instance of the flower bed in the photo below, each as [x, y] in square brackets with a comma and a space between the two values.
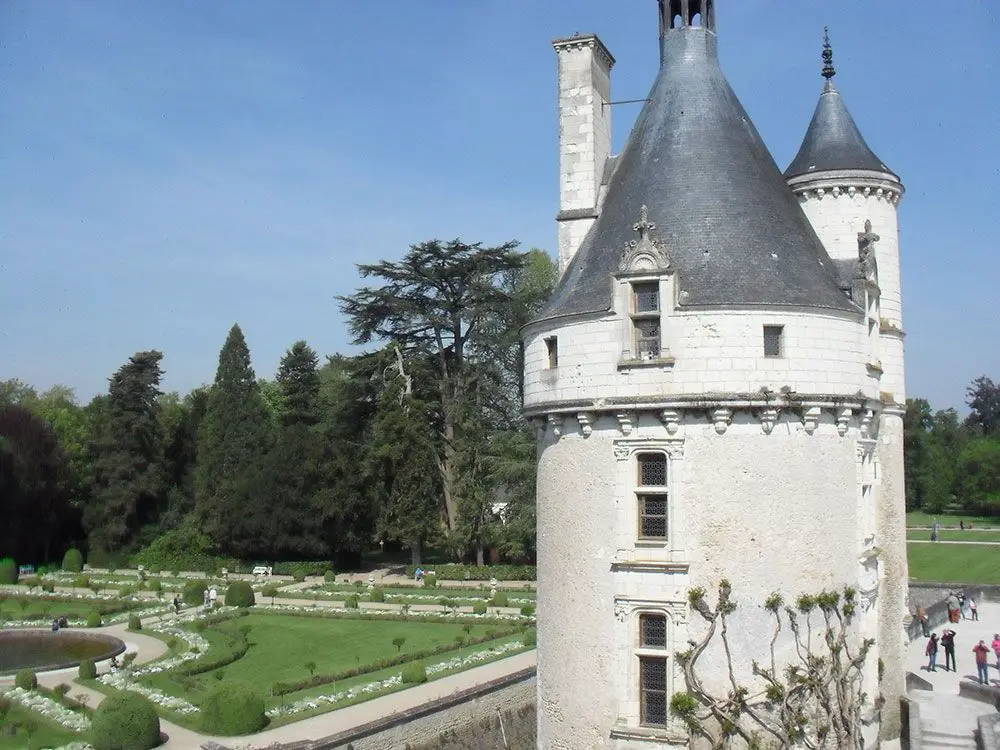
[49, 708]
[122, 680]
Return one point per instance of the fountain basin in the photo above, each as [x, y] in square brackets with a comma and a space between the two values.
[43, 650]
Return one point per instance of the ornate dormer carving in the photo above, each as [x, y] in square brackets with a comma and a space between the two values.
[867, 263]
[646, 253]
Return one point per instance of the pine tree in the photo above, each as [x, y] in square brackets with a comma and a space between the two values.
[233, 439]
[128, 477]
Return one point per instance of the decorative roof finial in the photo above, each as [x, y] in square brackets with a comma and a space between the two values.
[828, 70]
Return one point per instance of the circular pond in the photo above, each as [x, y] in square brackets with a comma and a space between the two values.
[47, 649]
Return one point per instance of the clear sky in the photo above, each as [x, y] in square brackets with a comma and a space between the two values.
[170, 168]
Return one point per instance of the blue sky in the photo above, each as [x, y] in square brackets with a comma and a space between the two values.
[171, 168]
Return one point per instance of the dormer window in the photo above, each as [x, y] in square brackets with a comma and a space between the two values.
[646, 320]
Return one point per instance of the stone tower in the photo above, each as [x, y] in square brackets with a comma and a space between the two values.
[711, 402]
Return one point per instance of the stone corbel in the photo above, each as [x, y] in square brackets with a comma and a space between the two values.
[626, 422]
[671, 420]
[586, 420]
[810, 418]
[844, 420]
[866, 423]
[556, 423]
[768, 418]
[721, 419]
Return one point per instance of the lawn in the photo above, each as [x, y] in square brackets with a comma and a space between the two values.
[954, 535]
[954, 563]
[33, 607]
[949, 520]
[45, 733]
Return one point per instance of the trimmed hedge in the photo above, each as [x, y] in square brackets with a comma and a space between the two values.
[26, 680]
[530, 637]
[330, 577]
[134, 623]
[194, 592]
[499, 600]
[72, 561]
[351, 601]
[455, 572]
[94, 620]
[528, 610]
[305, 567]
[125, 721]
[479, 608]
[232, 708]
[8, 570]
[430, 581]
[87, 670]
[413, 674]
[240, 594]
[376, 595]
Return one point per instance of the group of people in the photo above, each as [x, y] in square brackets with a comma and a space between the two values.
[60, 622]
[981, 651]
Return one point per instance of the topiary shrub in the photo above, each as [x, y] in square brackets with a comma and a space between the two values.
[26, 680]
[232, 708]
[125, 721]
[499, 599]
[329, 577]
[81, 582]
[8, 570]
[94, 620]
[430, 581]
[240, 594]
[72, 560]
[134, 623]
[299, 575]
[376, 595]
[530, 637]
[87, 670]
[194, 592]
[351, 602]
[155, 586]
[528, 610]
[479, 608]
[413, 673]
[48, 587]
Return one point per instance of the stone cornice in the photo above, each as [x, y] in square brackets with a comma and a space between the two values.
[833, 185]
[585, 41]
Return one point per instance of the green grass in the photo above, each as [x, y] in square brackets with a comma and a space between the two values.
[950, 520]
[11, 607]
[953, 535]
[954, 563]
[47, 733]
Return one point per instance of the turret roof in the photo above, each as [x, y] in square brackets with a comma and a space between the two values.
[732, 228]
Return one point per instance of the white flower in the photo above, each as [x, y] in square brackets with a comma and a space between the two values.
[49, 708]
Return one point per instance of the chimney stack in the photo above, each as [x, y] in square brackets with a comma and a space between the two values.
[584, 136]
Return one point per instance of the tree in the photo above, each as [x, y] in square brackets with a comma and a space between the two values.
[181, 418]
[33, 497]
[978, 467]
[298, 382]
[433, 303]
[128, 480]
[14, 392]
[233, 439]
[983, 397]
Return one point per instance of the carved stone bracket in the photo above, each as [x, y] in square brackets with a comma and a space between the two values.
[586, 420]
[671, 420]
[810, 418]
[626, 422]
[721, 419]
[556, 423]
[844, 416]
[768, 418]
[865, 448]
[867, 416]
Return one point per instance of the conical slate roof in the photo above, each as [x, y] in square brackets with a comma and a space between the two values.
[833, 140]
[732, 228]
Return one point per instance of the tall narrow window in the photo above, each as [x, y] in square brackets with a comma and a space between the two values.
[651, 496]
[552, 349]
[653, 670]
[773, 336]
[646, 319]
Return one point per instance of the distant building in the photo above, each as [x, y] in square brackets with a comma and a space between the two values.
[717, 383]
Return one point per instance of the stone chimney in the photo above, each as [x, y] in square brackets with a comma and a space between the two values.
[584, 136]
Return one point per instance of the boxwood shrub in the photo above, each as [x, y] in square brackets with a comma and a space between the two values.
[479, 608]
[8, 570]
[94, 620]
[330, 577]
[499, 600]
[125, 721]
[414, 673]
[87, 670]
[72, 561]
[528, 610]
[194, 592]
[351, 602]
[134, 623]
[530, 637]
[232, 708]
[240, 594]
[26, 680]
[376, 595]
[455, 572]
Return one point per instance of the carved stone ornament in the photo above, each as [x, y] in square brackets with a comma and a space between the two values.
[810, 418]
[844, 420]
[721, 419]
[626, 422]
[671, 420]
[556, 422]
[622, 452]
[867, 416]
[646, 253]
[867, 264]
[586, 420]
[768, 418]
[866, 449]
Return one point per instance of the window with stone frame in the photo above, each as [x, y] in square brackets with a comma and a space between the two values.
[645, 313]
[653, 670]
[652, 496]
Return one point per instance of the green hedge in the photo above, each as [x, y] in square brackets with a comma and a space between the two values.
[479, 608]
[134, 623]
[240, 594]
[414, 674]
[499, 600]
[87, 670]
[125, 721]
[72, 561]
[455, 572]
[94, 620]
[26, 680]
[303, 567]
[194, 592]
[232, 708]
[8, 570]
[530, 637]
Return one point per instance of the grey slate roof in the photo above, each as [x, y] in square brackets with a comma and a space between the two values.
[833, 140]
[734, 231]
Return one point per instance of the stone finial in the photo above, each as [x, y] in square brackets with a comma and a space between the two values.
[828, 70]
[644, 226]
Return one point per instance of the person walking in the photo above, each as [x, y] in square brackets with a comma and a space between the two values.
[974, 609]
[931, 652]
[952, 607]
[982, 663]
[948, 641]
[922, 618]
